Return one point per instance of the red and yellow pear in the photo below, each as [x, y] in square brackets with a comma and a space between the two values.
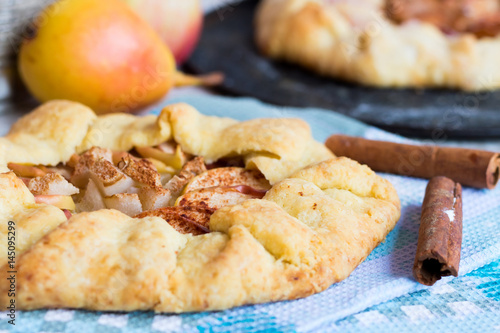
[96, 52]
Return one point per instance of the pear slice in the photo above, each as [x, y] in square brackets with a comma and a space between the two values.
[85, 162]
[186, 220]
[109, 179]
[118, 156]
[168, 147]
[230, 176]
[162, 167]
[175, 160]
[52, 184]
[140, 170]
[63, 170]
[59, 201]
[26, 171]
[166, 172]
[127, 203]
[154, 197]
[213, 198]
[92, 199]
[189, 170]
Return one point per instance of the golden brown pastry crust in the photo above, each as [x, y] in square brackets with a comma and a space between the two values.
[123, 132]
[48, 135]
[354, 41]
[288, 141]
[310, 230]
[32, 220]
[215, 137]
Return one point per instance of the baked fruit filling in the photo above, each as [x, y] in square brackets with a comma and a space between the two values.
[160, 181]
[479, 17]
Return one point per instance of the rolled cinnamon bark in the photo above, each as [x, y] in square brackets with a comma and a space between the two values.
[440, 233]
[476, 168]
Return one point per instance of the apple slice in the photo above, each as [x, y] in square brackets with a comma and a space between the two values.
[175, 160]
[230, 176]
[92, 199]
[52, 184]
[213, 198]
[126, 203]
[59, 201]
[186, 220]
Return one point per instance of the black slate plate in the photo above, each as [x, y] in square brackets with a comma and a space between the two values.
[227, 45]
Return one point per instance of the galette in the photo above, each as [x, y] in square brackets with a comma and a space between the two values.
[387, 43]
[179, 212]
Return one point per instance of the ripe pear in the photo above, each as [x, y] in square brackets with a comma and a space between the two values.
[99, 53]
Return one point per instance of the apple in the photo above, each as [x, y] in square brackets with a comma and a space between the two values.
[178, 22]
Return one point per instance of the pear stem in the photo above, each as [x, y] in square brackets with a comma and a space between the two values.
[209, 80]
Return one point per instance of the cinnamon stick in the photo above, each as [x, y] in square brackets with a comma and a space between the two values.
[475, 168]
[440, 233]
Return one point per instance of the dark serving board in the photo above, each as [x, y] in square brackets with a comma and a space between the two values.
[227, 45]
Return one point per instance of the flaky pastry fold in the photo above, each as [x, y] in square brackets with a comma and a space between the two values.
[56, 130]
[48, 135]
[32, 220]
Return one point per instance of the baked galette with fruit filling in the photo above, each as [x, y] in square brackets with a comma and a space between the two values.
[181, 211]
[387, 43]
